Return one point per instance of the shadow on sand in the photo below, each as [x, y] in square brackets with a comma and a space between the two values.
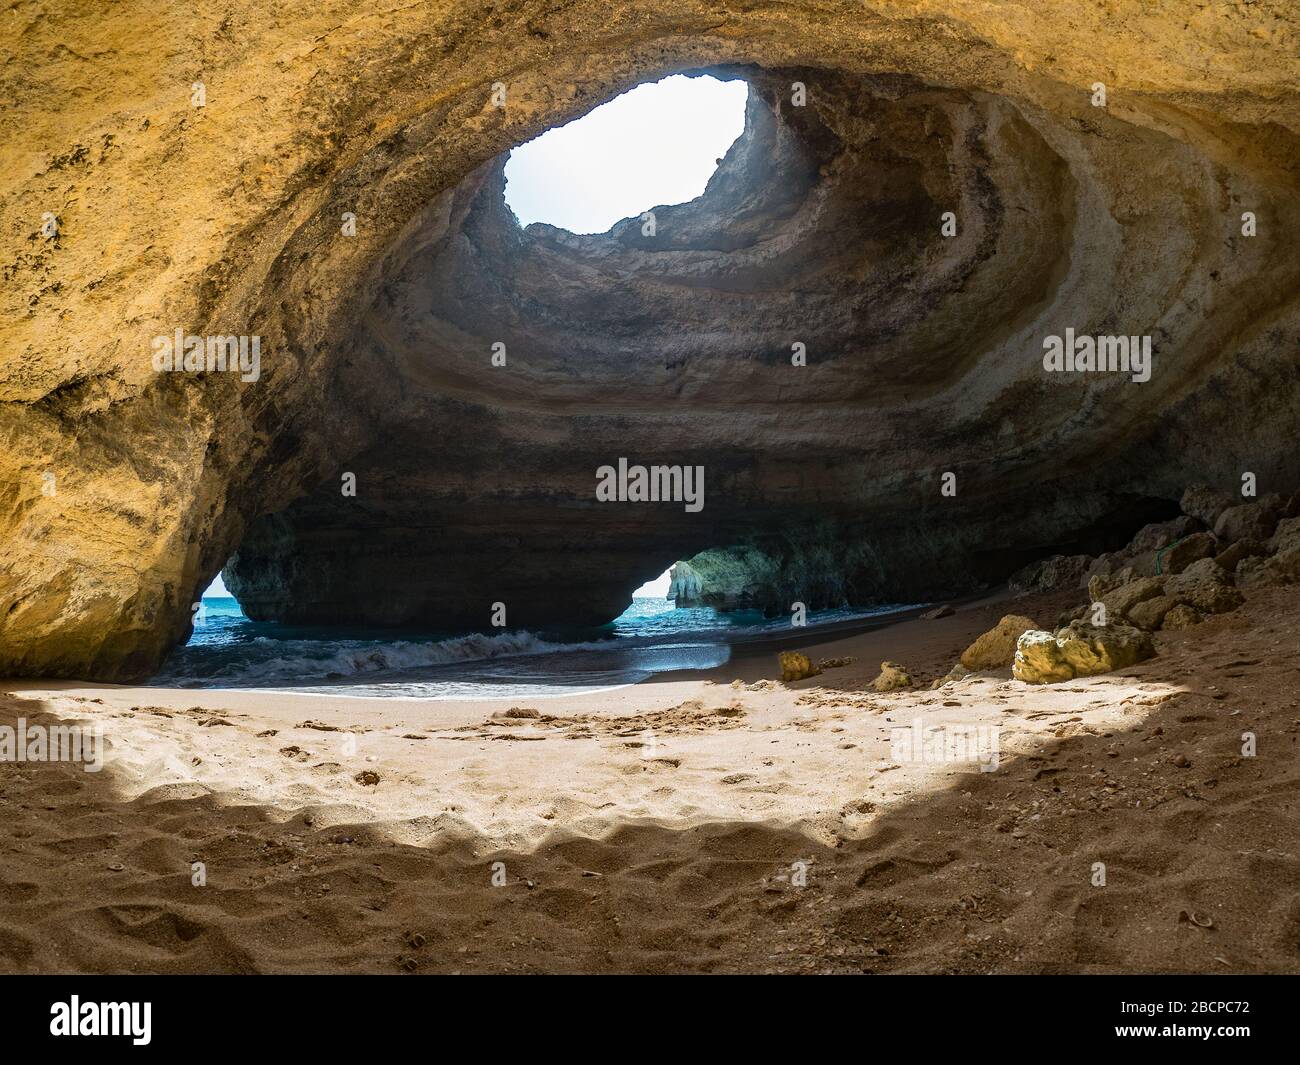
[993, 872]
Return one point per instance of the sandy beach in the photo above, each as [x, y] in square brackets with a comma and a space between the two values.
[706, 822]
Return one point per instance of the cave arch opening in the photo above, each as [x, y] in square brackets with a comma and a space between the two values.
[819, 226]
[698, 314]
[655, 145]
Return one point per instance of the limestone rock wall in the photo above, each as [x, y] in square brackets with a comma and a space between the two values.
[125, 490]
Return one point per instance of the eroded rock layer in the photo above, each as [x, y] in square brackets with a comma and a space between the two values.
[127, 489]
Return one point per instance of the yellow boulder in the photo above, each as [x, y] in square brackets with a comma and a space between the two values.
[997, 648]
[892, 676]
[796, 666]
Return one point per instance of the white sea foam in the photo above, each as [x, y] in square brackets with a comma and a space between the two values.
[229, 651]
[298, 659]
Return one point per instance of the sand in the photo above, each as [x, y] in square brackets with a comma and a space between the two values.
[716, 822]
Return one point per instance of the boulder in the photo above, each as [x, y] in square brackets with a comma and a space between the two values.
[1102, 566]
[1150, 613]
[1181, 617]
[996, 648]
[1059, 571]
[944, 611]
[1079, 650]
[1064, 571]
[1285, 536]
[1161, 534]
[1248, 521]
[1068, 616]
[796, 666]
[1039, 659]
[1143, 554]
[1205, 503]
[1101, 584]
[1025, 579]
[1204, 585]
[892, 676]
[958, 672]
[1119, 601]
[1143, 565]
[1182, 553]
[1255, 572]
[1230, 557]
[1284, 567]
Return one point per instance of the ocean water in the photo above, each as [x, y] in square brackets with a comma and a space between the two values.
[227, 650]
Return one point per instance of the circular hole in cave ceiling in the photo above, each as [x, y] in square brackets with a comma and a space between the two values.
[655, 145]
[819, 226]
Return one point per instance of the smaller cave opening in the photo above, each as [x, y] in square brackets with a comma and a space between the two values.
[656, 145]
[217, 608]
[658, 588]
[216, 614]
[217, 589]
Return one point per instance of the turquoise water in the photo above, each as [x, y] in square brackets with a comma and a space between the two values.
[227, 650]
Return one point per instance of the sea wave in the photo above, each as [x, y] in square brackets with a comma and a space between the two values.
[300, 659]
[227, 650]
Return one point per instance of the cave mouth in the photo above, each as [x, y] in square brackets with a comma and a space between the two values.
[850, 315]
[655, 145]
